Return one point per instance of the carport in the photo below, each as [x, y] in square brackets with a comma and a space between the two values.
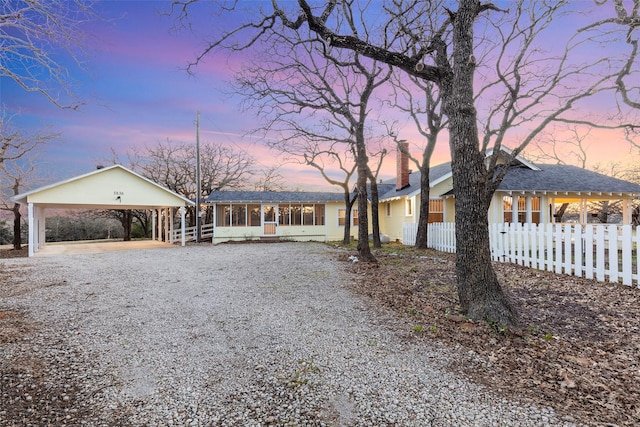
[113, 187]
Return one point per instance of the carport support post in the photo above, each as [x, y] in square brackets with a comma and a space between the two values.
[32, 229]
[167, 230]
[182, 223]
[153, 224]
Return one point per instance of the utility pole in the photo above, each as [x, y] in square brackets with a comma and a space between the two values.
[198, 184]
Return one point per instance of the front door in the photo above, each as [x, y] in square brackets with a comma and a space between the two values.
[269, 220]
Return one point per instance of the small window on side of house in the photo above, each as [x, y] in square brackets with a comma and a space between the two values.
[409, 207]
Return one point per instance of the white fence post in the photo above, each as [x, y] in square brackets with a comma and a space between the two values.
[614, 269]
[588, 251]
[627, 255]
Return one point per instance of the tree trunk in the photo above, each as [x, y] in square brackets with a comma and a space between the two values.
[560, 212]
[375, 216]
[479, 291]
[362, 167]
[423, 218]
[348, 203]
[17, 230]
[127, 220]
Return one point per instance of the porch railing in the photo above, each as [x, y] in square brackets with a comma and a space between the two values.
[206, 231]
[601, 252]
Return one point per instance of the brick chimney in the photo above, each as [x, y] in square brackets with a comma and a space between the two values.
[402, 171]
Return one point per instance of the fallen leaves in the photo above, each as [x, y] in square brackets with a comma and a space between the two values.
[576, 348]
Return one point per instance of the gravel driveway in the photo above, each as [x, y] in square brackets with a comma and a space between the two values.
[237, 335]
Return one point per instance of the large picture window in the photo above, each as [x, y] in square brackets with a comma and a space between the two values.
[250, 215]
[297, 214]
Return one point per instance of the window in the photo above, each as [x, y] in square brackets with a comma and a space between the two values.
[520, 203]
[341, 214]
[436, 210]
[243, 215]
[270, 213]
[535, 210]
[522, 210]
[223, 215]
[341, 217]
[285, 215]
[296, 215]
[254, 215]
[409, 207]
[319, 214]
[507, 208]
[238, 215]
[388, 208]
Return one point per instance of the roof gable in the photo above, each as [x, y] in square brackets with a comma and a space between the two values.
[114, 187]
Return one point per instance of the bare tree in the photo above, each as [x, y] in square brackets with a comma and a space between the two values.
[325, 157]
[319, 102]
[15, 143]
[18, 151]
[421, 101]
[269, 178]
[172, 165]
[15, 177]
[527, 89]
[36, 38]
[563, 145]
[372, 176]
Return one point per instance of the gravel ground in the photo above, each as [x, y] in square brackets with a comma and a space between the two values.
[227, 335]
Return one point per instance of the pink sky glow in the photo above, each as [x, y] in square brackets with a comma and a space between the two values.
[139, 93]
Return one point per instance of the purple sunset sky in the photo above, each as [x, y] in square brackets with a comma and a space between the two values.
[139, 93]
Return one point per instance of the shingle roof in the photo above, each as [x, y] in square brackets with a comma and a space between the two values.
[560, 178]
[274, 197]
[435, 174]
[549, 178]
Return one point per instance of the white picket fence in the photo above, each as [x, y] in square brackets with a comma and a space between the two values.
[601, 252]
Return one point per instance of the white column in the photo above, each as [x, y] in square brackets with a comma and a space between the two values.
[153, 224]
[626, 211]
[33, 232]
[583, 211]
[170, 225]
[182, 223]
[514, 208]
[529, 218]
[167, 237]
[41, 226]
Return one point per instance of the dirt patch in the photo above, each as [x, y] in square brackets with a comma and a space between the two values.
[576, 348]
[12, 253]
[13, 326]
